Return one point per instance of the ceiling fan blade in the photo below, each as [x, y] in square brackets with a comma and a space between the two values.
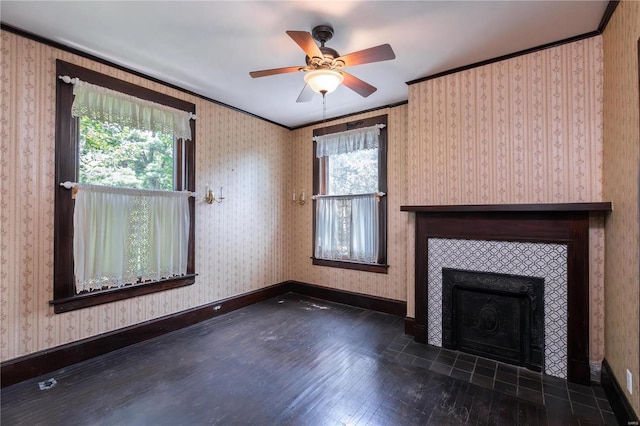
[362, 88]
[306, 94]
[384, 52]
[306, 42]
[273, 71]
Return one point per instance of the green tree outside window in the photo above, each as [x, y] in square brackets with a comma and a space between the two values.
[115, 155]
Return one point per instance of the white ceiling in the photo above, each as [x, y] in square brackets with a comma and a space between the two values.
[209, 47]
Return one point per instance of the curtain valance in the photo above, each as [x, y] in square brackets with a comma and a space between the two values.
[348, 141]
[100, 103]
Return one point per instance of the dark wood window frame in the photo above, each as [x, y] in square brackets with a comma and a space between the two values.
[381, 266]
[65, 297]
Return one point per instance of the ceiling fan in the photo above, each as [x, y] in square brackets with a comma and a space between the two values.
[323, 72]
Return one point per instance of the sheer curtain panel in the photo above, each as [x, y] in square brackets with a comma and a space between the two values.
[124, 236]
[100, 103]
[347, 228]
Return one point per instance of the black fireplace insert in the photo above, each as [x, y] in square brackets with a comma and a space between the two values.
[497, 316]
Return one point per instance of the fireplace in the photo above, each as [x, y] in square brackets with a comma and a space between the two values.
[546, 224]
[497, 316]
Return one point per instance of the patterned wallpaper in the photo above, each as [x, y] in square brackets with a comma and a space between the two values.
[523, 130]
[235, 240]
[391, 285]
[621, 136]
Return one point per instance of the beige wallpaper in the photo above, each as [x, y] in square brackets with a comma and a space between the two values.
[391, 285]
[235, 241]
[621, 136]
[523, 130]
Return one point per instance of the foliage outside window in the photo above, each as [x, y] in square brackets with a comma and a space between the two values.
[353, 173]
[121, 156]
[99, 152]
[349, 215]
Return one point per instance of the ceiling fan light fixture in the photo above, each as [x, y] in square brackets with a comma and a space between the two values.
[323, 81]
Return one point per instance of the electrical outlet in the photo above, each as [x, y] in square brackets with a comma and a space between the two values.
[629, 382]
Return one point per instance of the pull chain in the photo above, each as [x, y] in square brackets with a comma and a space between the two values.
[324, 106]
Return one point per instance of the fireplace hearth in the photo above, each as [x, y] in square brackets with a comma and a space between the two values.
[498, 316]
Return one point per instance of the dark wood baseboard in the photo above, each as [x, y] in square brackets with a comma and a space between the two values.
[380, 304]
[409, 323]
[48, 360]
[42, 362]
[619, 403]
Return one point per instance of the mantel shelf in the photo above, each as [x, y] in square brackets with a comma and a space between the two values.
[479, 208]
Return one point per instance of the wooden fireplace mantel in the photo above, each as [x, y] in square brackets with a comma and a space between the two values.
[479, 208]
[562, 223]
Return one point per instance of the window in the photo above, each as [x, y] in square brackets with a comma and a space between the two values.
[115, 155]
[119, 155]
[350, 206]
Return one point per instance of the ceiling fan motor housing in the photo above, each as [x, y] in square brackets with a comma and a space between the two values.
[327, 61]
[324, 33]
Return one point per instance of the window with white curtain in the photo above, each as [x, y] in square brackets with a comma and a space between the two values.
[127, 228]
[350, 195]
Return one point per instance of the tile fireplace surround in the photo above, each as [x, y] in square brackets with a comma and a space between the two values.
[547, 261]
[566, 224]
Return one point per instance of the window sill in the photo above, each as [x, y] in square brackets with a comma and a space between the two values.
[86, 300]
[368, 267]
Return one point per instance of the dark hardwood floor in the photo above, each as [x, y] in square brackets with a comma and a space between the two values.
[291, 360]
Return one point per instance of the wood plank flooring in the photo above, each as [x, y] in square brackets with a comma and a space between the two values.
[291, 360]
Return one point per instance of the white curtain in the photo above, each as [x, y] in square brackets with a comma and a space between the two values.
[100, 103]
[123, 235]
[348, 141]
[347, 228]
